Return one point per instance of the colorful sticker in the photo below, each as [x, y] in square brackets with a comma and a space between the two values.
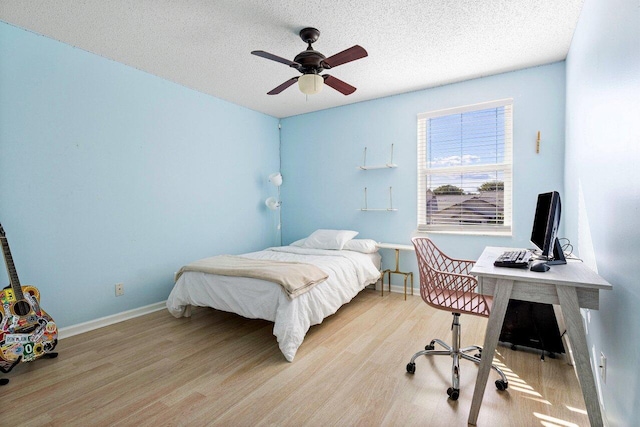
[24, 338]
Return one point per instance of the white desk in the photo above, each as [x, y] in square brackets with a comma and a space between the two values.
[573, 286]
[397, 248]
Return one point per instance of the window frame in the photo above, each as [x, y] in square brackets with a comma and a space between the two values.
[506, 168]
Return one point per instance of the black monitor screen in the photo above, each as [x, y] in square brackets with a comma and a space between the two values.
[546, 222]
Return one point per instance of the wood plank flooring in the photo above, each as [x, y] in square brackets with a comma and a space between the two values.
[218, 368]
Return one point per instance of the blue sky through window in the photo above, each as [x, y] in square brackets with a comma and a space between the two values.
[472, 138]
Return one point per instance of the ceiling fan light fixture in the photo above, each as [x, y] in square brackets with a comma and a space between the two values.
[310, 84]
[311, 63]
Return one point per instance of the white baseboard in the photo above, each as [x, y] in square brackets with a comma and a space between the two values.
[80, 328]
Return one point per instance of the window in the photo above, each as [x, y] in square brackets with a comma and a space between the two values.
[465, 169]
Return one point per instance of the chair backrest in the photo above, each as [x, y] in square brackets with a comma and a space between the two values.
[445, 282]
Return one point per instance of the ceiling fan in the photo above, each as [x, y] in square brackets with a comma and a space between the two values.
[311, 63]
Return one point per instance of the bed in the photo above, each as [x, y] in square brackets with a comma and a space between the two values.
[350, 265]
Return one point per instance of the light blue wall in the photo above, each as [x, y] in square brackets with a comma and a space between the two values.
[321, 151]
[109, 174]
[603, 181]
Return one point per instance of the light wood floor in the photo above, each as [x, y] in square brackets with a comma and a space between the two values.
[218, 368]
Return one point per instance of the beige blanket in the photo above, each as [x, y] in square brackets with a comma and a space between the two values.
[294, 277]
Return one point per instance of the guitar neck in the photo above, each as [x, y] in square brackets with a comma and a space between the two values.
[11, 268]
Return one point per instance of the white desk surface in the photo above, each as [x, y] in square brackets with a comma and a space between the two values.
[574, 273]
[396, 246]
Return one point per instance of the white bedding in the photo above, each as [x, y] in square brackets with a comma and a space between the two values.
[349, 272]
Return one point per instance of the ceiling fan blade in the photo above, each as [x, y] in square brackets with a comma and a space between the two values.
[283, 86]
[273, 57]
[339, 85]
[348, 55]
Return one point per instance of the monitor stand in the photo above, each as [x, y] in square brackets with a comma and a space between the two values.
[558, 254]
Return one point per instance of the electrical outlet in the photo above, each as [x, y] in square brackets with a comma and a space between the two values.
[119, 289]
[603, 367]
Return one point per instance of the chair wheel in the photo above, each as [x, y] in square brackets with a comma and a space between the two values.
[453, 393]
[411, 368]
[430, 346]
[501, 385]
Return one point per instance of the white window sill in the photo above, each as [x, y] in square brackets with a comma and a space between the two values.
[465, 232]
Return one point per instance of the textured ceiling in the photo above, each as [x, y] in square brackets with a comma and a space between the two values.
[206, 45]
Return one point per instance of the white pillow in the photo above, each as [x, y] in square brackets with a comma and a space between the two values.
[329, 239]
[366, 246]
[298, 243]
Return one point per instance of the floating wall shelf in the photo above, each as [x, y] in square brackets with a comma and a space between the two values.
[368, 209]
[385, 166]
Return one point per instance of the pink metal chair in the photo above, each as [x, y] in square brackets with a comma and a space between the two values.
[445, 284]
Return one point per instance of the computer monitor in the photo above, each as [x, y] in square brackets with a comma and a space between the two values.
[545, 228]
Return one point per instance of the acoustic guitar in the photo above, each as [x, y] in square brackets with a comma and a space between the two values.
[27, 332]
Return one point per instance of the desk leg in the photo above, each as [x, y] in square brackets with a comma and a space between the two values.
[575, 329]
[498, 311]
[406, 276]
[405, 286]
[388, 272]
[411, 282]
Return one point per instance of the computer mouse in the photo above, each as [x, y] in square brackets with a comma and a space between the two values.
[540, 267]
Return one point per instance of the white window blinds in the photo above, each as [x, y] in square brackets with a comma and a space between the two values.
[465, 169]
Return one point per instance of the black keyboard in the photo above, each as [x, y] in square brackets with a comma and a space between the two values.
[515, 259]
